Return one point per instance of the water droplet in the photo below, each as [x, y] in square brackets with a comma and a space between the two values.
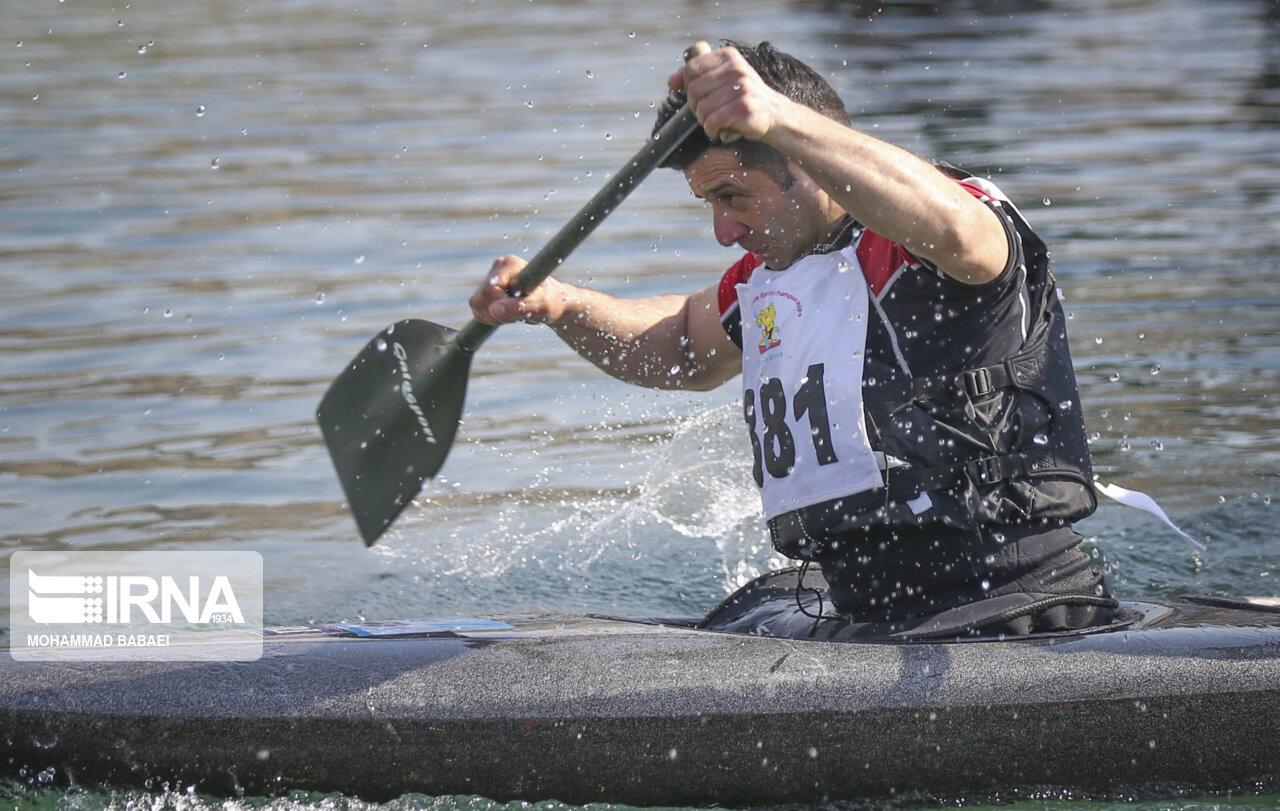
[142, 49]
[216, 163]
[813, 752]
[1124, 445]
[1098, 340]
[1157, 444]
[168, 313]
[380, 345]
[591, 74]
[1040, 439]
[672, 754]
[1114, 377]
[200, 109]
[121, 75]
[1048, 202]
[1155, 368]
[1065, 405]
[320, 297]
[360, 259]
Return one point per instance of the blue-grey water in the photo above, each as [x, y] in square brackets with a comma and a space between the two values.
[206, 208]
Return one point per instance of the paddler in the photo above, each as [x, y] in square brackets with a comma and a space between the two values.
[912, 409]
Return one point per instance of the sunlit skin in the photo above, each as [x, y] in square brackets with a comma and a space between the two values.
[676, 341]
[750, 210]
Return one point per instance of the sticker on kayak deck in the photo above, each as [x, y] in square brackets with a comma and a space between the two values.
[302, 630]
[429, 625]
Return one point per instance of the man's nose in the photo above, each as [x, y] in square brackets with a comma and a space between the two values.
[728, 229]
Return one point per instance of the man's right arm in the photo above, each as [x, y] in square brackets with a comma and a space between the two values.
[663, 342]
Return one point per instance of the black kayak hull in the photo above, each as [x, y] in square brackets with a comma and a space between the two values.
[640, 712]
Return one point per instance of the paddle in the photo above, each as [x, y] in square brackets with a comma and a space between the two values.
[390, 417]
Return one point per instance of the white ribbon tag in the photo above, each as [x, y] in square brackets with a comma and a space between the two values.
[1144, 502]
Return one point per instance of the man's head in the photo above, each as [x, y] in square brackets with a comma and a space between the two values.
[780, 71]
[759, 200]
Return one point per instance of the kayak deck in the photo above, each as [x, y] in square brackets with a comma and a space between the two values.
[584, 709]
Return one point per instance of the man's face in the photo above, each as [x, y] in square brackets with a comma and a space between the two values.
[751, 211]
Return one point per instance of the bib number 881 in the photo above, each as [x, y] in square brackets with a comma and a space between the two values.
[774, 448]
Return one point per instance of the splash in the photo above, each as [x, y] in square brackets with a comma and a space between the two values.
[700, 486]
[695, 493]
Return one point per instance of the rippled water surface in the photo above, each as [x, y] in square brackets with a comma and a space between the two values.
[206, 208]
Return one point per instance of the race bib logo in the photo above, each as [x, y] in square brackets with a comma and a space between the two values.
[767, 320]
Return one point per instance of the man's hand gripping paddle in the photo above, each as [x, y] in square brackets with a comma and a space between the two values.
[390, 417]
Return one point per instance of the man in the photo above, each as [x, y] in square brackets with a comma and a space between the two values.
[911, 404]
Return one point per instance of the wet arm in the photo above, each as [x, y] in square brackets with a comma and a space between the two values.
[897, 195]
[664, 342]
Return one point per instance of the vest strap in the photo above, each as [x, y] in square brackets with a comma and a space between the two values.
[1021, 371]
[973, 382]
[987, 470]
[985, 380]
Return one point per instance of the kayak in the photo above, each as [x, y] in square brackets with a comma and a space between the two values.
[754, 704]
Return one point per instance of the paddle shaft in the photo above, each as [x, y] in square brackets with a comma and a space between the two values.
[546, 261]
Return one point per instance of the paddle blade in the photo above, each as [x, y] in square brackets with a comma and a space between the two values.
[390, 418]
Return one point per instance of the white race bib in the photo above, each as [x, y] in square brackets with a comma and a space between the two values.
[804, 334]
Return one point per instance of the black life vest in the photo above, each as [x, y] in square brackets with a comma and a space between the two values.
[996, 448]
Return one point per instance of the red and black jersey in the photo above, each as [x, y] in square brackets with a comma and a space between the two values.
[926, 309]
[969, 390]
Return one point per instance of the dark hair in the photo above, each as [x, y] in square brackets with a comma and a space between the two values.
[780, 71]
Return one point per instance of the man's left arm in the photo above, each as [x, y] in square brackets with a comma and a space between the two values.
[891, 191]
[897, 195]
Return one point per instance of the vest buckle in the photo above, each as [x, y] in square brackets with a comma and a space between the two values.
[986, 470]
[978, 382]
